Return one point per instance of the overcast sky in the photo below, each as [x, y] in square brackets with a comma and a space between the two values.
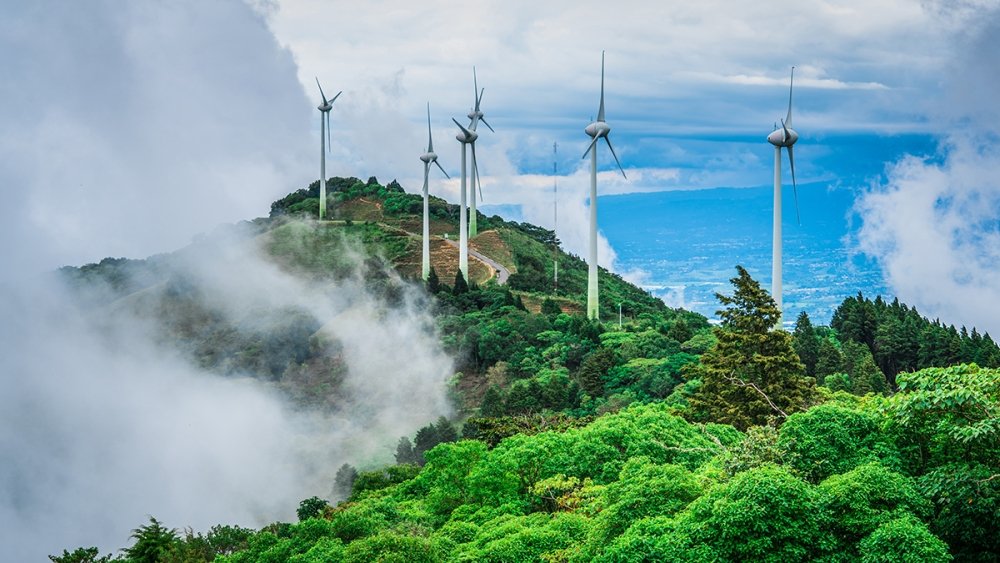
[129, 127]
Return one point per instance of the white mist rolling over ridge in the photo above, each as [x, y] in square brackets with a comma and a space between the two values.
[102, 424]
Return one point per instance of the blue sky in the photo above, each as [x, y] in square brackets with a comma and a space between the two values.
[173, 118]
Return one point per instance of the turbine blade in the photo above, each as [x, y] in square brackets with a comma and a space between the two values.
[475, 88]
[442, 170]
[795, 190]
[427, 169]
[616, 157]
[791, 81]
[590, 146]
[334, 99]
[480, 98]
[486, 124]
[464, 130]
[321, 94]
[430, 141]
[600, 112]
[784, 132]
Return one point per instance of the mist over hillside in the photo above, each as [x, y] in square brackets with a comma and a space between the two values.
[110, 411]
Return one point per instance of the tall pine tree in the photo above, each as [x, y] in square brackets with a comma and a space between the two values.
[752, 376]
[806, 343]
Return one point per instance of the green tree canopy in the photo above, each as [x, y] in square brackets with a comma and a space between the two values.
[752, 375]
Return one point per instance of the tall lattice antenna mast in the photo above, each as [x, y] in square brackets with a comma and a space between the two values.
[555, 218]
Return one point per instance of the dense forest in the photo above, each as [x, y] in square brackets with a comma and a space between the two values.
[664, 438]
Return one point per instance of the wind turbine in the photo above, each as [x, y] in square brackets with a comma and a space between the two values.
[324, 134]
[466, 137]
[598, 129]
[784, 137]
[475, 116]
[428, 157]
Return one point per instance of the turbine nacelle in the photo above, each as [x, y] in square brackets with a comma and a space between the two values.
[598, 129]
[325, 107]
[783, 137]
[429, 157]
[467, 135]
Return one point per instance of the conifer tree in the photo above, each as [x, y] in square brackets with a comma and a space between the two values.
[550, 307]
[343, 482]
[492, 405]
[433, 283]
[752, 376]
[404, 451]
[461, 286]
[425, 439]
[829, 360]
[806, 343]
[680, 331]
[445, 430]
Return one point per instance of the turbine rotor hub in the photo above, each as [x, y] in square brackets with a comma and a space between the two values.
[780, 138]
[598, 129]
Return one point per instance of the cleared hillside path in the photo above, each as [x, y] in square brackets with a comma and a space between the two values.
[499, 270]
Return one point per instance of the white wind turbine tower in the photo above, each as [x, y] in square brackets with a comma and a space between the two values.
[428, 157]
[784, 137]
[324, 134]
[598, 129]
[466, 137]
[475, 116]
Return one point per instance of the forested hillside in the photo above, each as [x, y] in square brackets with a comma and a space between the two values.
[663, 439]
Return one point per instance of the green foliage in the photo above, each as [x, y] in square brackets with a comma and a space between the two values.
[550, 307]
[311, 507]
[492, 430]
[379, 479]
[900, 339]
[759, 447]
[861, 500]
[391, 547]
[829, 439]
[594, 369]
[81, 555]
[752, 376]
[961, 401]
[947, 421]
[765, 514]
[153, 542]
[492, 404]
[904, 540]
[643, 489]
[966, 500]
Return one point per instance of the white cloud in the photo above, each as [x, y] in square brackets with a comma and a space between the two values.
[934, 224]
[130, 127]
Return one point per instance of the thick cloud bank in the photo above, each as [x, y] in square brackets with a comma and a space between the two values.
[934, 224]
[128, 126]
[102, 422]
